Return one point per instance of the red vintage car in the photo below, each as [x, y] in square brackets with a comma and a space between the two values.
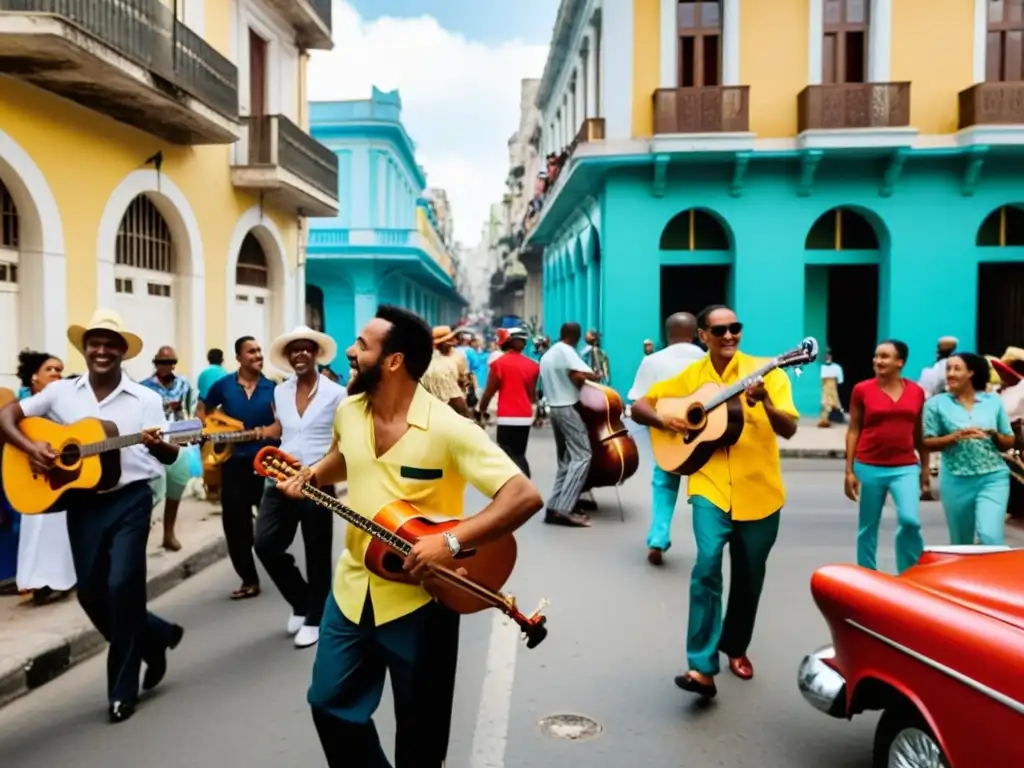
[939, 650]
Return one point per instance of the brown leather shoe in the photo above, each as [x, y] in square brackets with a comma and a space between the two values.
[654, 556]
[695, 682]
[742, 668]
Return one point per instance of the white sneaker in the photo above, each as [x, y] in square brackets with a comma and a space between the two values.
[307, 636]
[295, 623]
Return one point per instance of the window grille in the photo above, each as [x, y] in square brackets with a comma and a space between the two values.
[252, 264]
[144, 239]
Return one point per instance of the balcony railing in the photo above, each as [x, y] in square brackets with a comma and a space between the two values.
[853, 105]
[274, 140]
[704, 109]
[591, 130]
[992, 104]
[146, 32]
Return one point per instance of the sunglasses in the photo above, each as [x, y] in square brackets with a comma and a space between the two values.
[719, 331]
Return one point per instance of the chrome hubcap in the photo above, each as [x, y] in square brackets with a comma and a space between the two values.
[913, 748]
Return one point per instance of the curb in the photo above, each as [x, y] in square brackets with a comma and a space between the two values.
[54, 659]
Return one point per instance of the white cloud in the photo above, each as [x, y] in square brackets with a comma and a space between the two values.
[460, 99]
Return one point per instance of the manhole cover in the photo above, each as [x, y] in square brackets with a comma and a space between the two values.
[572, 727]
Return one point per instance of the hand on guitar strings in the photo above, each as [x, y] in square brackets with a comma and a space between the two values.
[430, 551]
[292, 487]
[756, 393]
[42, 457]
[151, 437]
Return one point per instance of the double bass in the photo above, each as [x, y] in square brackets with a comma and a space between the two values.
[614, 457]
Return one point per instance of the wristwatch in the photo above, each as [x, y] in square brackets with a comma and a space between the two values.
[453, 544]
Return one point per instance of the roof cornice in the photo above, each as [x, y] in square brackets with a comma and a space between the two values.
[569, 15]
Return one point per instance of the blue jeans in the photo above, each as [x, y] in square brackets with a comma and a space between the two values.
[975, 504]
[905, 486]
[664, 494]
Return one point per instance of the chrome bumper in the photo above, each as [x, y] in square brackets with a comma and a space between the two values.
[821, 685]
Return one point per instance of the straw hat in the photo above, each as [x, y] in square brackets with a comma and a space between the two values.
[1013, 355]
[443, 334]
[328, 349]
[105, 320]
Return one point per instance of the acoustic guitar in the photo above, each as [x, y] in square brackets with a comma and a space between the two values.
[87, 459]
[396, 527]
[713, 415]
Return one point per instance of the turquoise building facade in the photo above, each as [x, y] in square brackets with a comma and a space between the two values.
[849, 245]
[384, 246]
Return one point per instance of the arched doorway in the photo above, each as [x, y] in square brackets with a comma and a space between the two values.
[252, 291]
[1000, 314]
[10, 306]
[315, 308]
[841, 308]
[144, 286]
[696, 262]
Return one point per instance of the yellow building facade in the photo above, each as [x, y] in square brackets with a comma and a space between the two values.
[163, 170]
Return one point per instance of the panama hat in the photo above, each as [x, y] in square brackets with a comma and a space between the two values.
[443, 334]
[328, 349]
[105, 320]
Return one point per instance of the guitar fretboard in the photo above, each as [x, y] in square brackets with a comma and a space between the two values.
[127, 441]
[232, 437]
[352, 517]
[730, 392]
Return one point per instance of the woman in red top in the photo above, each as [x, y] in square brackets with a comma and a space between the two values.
[885, 455]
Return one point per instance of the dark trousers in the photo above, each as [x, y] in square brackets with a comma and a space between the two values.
[241, 490]
[513, 441]
[108, 534]
[419, 651]
[276, 525]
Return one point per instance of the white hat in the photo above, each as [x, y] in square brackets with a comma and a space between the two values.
[105, 320]
[328, 349]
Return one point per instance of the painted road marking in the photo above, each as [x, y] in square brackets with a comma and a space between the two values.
[491, 733]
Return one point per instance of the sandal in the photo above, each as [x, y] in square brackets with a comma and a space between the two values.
[245, 592]
[571, 521]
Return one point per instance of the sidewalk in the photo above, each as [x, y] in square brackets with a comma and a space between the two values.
[37, 643]
[810, 442]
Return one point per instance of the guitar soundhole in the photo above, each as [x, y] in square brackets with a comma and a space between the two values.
[392, 563]
[70, 455]
[696, 416]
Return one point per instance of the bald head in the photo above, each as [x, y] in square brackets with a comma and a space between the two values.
[681, 328]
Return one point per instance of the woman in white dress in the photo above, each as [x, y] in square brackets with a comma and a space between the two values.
[45, 567]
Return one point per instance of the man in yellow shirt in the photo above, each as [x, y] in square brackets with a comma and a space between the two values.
[395, 441]
[736, 498]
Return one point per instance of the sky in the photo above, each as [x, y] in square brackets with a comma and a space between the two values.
[457, 65]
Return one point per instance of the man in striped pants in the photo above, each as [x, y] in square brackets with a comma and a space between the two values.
[562, 373]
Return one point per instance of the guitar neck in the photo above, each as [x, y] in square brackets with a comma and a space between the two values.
[352, 517]
[125, 441]
[732, 391]
[233, 437]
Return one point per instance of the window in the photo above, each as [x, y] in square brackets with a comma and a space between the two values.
[144, 239]
[841, 229]
[699, 23]
[123, 285]
[8, 219]
[694, 230]
[844, 52]
[158, 289]
[1003, 227]
[1004, 50]
[252, 264]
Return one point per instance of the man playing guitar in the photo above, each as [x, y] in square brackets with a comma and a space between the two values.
[736, 498]
[394, 441]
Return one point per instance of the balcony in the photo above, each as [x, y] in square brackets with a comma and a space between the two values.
[128, 59]
[327, 243]
[853, 106]
[992, 104]
[292, 169]
[311, 19]
[705, 109]
[592, 129]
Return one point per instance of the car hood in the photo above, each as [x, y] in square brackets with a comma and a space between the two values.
[991, 583]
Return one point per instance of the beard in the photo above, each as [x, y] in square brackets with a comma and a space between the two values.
[367, 379]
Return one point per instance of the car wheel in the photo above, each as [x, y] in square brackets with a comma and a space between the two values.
[904, 740]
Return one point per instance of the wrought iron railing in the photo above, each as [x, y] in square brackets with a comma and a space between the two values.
[704, 109]
[276, 140]
[146, 32]
[992, 104]
[853, 105]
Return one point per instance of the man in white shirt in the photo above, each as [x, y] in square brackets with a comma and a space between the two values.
[562, 373]
[305, 404]
[108, 530]
[831, 379]
[680, 331]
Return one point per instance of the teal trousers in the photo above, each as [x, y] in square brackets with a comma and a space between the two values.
[904, 484]
[664, 494]
[750, 543]
[975, 504]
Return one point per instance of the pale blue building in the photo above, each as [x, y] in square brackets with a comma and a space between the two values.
[384, 246]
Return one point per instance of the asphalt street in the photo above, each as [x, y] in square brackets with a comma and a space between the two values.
[235, 692]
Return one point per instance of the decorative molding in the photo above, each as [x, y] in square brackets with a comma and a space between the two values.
[880, 41]
[659, 181]
[892, 172]
[283, 309]
[980, 41]
[815, 33]
[857, 138]
[809, 162]
[972, 170]
[990, 135]
[739, 171]
[702, 142]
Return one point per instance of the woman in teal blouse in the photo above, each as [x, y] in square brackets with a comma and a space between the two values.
[971, 428]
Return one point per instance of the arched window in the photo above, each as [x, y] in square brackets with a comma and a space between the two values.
[252, 264]
[1004, 226]
[1003, 60]
[844, 49]
[842, 229]
[8, 236]
[143, 243]
[694, 230]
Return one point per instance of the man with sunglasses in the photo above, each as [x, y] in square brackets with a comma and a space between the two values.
[736, 499]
